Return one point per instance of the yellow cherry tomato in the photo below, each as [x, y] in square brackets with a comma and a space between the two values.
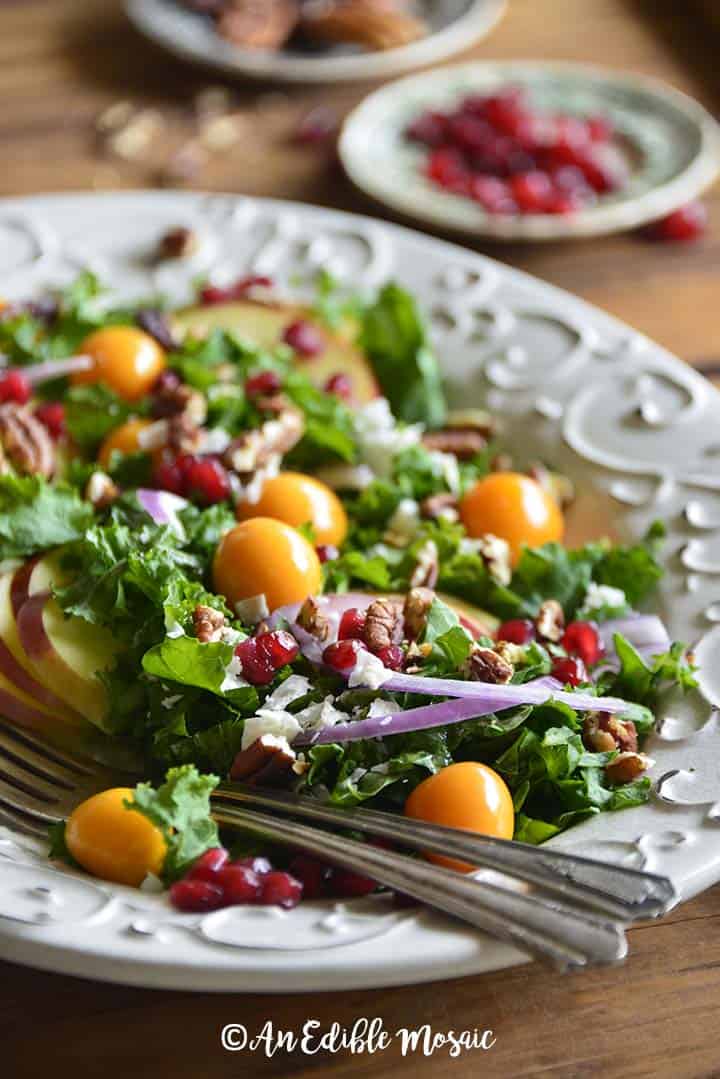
[298, 499]
[112, 842]
[465, 795]
[125, 358]
[515, 508]
[123, 438]
[263, 555]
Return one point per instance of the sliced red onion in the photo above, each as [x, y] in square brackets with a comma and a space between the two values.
[645, 632]
[414, 719]
[163, 507]
[43, 372]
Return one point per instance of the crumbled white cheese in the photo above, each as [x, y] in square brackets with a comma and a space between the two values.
[447, 464]
[294, 687]
[228, 635]
[252, 610]
[214, 440]
[233, 676]
[381, 438]
[154, 436]
[272, 721]
[369, 671]
[380, 707]
[253, 490]
[603, 595]
[405, 521]
[320, 715]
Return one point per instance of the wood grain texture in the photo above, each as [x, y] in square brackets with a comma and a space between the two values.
[61, 63]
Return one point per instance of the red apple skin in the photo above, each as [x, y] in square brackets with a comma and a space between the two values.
[33, 638]
[16, 711]
[20, 585]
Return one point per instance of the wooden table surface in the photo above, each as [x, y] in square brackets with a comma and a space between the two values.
[61, 63]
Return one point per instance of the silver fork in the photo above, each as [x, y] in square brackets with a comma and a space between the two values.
[40, 784]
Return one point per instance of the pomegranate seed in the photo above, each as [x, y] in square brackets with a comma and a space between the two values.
[256, 667]
[239, 883]
[265, 382]
[279, 647]
[15, 387]
[280, 889]
[313, 875]
[531, 191]
[446, 165]
[506, 112]
[318, 125]
[341, 385]
[212, 294]
[490, 192]
[345, 884]
[392, 657]
[168, 475]
[208, 864]
[682, 226]
[196, 896]
[582, 639]
[52, 417]
[429, 128]
[352, 625]
[327, 552]
[342, 656]
[570, 670]
[167, 381]
[304, 338]
[470, 133]
[517, 631]
[207, 481]
[257, 864]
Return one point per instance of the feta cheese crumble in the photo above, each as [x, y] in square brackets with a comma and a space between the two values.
[369, 672]
[273, 721]
[603, 595]
[233, 676]
[381, 438]
[252, 610]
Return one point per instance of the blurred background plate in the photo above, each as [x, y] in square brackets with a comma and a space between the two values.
[454, 25]
[673, 146]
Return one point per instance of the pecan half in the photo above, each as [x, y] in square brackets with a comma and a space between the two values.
[441, 505]
[603, 732]
[462, 444]
[373, 24]
[626, 767]
[268, 762]
[427, 566]
[418, 602]
[258, 24]
[383, 624]
[101, 491]
[313, 621]
[485, 665]
[208, 624]
[550, 621]
[25, 442]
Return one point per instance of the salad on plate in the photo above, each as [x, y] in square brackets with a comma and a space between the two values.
[248, 539]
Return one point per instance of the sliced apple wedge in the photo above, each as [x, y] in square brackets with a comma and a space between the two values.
[24, 711]
[65, 654]
[264, 324]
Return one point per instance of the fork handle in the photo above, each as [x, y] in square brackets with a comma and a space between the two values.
[563, 935]
[619, 892]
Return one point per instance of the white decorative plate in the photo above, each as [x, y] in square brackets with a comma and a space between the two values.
[675, 145]
[635, 428]
[454, 25]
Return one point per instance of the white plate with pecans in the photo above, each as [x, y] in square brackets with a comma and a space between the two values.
[325, 41]
[635, 430]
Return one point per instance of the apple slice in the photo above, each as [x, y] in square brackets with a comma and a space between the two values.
[263, 324]
[24, 711]
[65, 654]
[14, 664]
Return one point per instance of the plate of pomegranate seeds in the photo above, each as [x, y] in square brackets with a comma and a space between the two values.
[531, 150]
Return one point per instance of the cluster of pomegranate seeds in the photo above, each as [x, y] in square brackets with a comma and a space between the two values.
[339, 384]
[214, 882]
[52, 417]
[15, 387]
[582, 639]
[202, 479]
[263, 656]
[517, 631]
[570, 670]
[392, 657]
[342, 655]
[263, 384]
[327, 552]
[306, 339]
[213, 294]
[352, 625]
[321, 881]
[511, 159]
[682, 226]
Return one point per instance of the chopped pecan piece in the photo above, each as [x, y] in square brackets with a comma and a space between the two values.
[178, 243]
[462, 444]
[25, 442]
[441, 505]
[268, 762]
[258, 24]
[383, 624]
[208, 624]
[495, 553]
[179, 400]
[101, 490]
[427, 566]
[626, 767]
[253, 449]
[373, 24]
[184, 435]
[603, 732]
[550, 621]
[312, 620]
[418, 602]
[486, 665]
